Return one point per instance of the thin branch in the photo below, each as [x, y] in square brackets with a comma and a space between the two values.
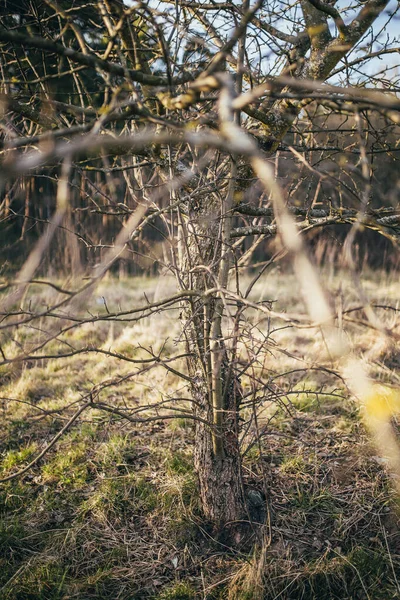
[49, 445]
[88, 60]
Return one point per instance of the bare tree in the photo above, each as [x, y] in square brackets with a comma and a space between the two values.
[172, 113]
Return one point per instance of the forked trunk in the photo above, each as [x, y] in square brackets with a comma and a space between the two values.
[215, 391]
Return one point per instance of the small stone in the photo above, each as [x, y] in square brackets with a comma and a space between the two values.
[255, 498]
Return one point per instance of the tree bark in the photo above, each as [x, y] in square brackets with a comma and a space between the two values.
[215, 391]
[219, 475]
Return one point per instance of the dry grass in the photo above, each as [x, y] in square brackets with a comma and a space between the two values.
[112, 510]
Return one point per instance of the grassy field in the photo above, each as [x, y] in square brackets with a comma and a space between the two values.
[112, 511]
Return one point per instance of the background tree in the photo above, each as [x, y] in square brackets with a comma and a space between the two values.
[169, 115]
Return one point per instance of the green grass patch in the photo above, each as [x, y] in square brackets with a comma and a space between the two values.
[37, 580]
[68, 467]
[179, 462]
[178, 591]
[321, 500]
[15, 458]
[293, 465]
[126, 495]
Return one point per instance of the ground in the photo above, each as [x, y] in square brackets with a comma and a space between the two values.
[111, 511]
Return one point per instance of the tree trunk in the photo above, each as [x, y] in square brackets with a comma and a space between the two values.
[219, 472]
[215, 390]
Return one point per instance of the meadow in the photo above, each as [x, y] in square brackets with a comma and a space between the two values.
[112, 510]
